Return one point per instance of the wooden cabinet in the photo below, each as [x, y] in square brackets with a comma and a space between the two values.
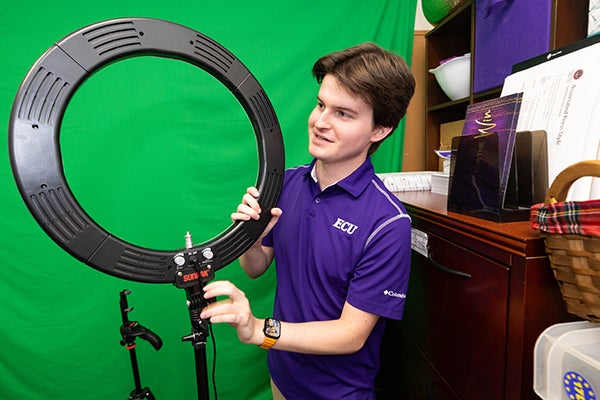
[455, 35]
[476, 305]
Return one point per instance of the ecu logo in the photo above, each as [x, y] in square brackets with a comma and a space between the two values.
[345, 226]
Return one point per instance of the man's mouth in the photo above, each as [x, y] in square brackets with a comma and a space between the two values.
[319, 137]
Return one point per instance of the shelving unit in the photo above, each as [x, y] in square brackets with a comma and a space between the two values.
[455, 35]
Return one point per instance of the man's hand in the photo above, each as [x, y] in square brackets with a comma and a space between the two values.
[235, 310]
[249, 209]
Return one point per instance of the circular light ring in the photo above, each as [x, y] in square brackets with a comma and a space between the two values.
[35, 153]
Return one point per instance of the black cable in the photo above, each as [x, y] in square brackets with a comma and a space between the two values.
[214, 366]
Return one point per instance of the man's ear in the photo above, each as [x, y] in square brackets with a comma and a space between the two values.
[381, 133]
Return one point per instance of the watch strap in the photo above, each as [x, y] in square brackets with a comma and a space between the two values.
[268, 343]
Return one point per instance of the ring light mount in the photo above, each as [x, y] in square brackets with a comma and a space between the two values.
[36, 160]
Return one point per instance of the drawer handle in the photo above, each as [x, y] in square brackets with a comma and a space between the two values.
[446, 269]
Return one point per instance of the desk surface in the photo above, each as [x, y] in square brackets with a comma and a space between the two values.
[517, 237]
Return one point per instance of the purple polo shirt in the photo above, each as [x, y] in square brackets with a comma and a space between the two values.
[349, 242]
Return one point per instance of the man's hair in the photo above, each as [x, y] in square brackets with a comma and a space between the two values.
[380, 78]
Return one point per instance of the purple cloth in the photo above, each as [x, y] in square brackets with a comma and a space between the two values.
[349, 242]
[507, 32]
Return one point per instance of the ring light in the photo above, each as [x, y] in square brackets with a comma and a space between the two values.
[35, 153]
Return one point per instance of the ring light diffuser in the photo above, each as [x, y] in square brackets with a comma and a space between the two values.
[35, 153]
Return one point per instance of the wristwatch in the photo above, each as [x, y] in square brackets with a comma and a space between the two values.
[272, 331]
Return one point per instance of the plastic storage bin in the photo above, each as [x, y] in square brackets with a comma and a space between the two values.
[567, 362]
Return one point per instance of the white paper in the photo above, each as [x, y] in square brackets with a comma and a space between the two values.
[419, 242]
[561, 96]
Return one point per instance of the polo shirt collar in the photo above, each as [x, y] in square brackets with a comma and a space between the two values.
[354, 183]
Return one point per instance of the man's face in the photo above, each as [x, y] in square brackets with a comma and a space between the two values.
[340, 128]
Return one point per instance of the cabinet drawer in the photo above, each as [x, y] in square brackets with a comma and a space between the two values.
[456, 313]
[405, 372]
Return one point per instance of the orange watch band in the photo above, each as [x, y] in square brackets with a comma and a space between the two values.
[268, 343]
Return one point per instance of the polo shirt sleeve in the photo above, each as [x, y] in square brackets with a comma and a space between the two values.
[268, 239]
[380, 282]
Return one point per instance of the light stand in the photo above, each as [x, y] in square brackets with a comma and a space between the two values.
[194, 270]
[35, 156]
[130, 330]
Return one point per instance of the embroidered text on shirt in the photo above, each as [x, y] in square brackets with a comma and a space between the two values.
[345, 226]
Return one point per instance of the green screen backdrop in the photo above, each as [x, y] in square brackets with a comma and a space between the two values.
[153, 148]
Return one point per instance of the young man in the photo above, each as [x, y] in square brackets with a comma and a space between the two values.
[340, 239]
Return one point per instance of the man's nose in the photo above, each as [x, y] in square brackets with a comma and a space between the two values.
[323, 121]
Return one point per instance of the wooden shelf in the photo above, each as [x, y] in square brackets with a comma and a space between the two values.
[455, 35]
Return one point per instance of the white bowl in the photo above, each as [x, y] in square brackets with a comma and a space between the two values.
[454, 76]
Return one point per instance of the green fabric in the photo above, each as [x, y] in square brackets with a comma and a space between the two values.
[153, 148]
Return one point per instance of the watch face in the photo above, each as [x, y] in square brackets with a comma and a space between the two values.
[272, 328]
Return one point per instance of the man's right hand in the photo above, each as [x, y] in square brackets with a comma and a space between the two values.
[249, 209]
[257, 258]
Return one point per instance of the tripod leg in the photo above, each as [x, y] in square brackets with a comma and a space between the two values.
[138, 393]
[201, 373]
[130, 330]
[136, 372]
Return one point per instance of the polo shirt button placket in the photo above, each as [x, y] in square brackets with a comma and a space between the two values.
[317, 200]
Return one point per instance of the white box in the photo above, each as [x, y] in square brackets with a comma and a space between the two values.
[440, 183]
[567, 362]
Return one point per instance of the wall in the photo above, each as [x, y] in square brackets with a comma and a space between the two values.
[414, 144]
[421, 23]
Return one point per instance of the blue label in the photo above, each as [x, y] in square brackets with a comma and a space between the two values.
[577, 387]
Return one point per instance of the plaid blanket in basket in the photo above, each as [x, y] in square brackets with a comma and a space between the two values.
[567, 217]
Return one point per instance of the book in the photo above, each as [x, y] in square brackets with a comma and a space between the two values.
[496, 116]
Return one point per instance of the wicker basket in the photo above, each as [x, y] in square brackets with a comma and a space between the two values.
[575, 259]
